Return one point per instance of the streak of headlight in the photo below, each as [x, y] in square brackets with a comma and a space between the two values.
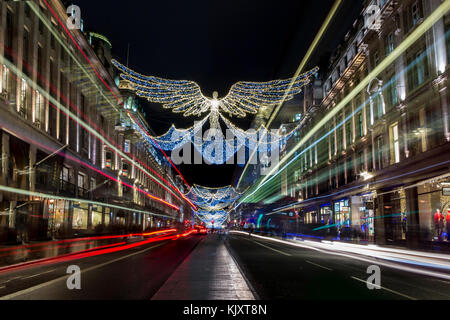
[104, 82]
[54, 197]
[333, 250]
[85, 254]
[305, 60]
[393, 80]
[5, 126]
[437, 14]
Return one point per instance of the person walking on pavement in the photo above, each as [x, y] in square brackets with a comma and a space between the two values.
[448, 224]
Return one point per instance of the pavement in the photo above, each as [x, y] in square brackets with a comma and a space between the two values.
[282, 271]
[209, 273]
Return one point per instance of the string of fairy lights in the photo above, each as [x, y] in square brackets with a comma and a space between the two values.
[212, 203]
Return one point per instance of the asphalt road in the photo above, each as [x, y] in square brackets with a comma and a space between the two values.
[132, 274]
[279, 271]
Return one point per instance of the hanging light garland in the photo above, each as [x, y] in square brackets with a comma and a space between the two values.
[183, 96]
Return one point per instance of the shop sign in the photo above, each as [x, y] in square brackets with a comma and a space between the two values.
[345, 210]
[446, 191]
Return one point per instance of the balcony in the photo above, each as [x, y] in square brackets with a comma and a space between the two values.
[67, 188]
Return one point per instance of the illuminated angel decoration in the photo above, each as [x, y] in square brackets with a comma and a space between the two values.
[183, 96]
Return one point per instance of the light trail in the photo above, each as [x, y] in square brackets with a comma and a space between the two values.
[404, 260]
[437, 14]
[75, 118]
[101, 250]
[304, 61]
[54, 197]
[5, 126]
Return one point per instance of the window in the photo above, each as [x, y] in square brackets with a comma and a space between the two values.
[389, 43]
[4, 79]
[65, 174]
[376, 59]
[379, 153]
[81, 179]
[359, 125]
[26, 41]
[9, 34]
[391, 93]
[126, 146]
[415, 13]
[125, 169]
[395, 144]
[108, 159]
[38, 107]
[348, 133]
[27, 10]
[22, 108]
[361, 167]
[419, 71]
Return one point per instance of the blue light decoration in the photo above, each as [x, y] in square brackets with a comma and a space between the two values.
[183, 96]
[212, 203]
[218, 149]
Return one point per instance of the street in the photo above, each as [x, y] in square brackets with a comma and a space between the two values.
[196, 268]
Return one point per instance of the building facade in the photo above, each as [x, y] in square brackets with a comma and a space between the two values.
[379, 170]
[71, 162]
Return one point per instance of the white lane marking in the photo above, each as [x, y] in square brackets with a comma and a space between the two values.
[270, 248]
[389, 290]
[9, 280]
[39, 274]
[45, 284]
[318, 265]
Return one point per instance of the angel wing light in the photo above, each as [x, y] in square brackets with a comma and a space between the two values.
[185, 97]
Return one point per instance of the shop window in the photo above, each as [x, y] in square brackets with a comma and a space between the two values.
[97, 212]
[80, 216]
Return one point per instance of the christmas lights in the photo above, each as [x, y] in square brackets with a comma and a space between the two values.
[183, 96]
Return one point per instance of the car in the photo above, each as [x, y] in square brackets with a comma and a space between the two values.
[200, 230]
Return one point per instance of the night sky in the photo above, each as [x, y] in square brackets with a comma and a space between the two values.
[215, 43]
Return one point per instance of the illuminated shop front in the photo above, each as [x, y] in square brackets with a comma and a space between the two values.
[434, 209]
[362, 216]
[58, 212]
[97, 213]
[342, 213]
[80, 216]
[108, 216]
[326, 214]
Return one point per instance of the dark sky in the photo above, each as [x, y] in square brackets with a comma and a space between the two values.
[215, 43]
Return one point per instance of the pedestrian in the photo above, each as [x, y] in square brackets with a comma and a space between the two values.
[448, 224]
